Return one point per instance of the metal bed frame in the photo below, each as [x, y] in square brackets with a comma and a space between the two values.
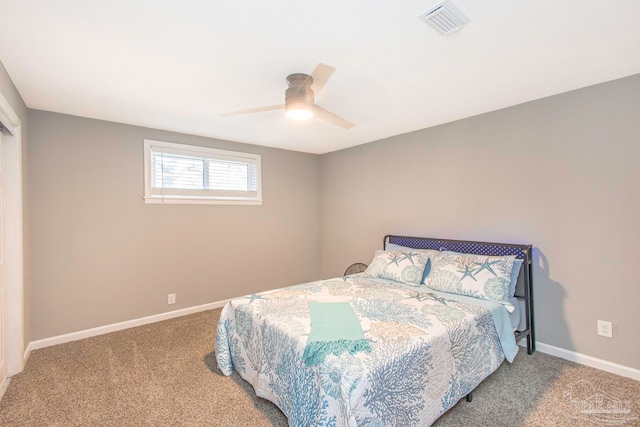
[523, 252]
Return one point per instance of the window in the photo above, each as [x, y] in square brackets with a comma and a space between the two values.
[178, 173]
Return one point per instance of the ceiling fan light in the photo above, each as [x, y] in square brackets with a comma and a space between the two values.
[298, 98]
[298, 112]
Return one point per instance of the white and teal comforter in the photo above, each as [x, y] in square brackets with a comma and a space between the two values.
[429, 350]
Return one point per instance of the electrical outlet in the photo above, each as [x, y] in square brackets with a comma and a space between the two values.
[171, 299]
[605, 329]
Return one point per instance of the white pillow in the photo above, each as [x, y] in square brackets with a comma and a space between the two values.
[400, 266]
[479, 276]
[515, 271]
[429, 252]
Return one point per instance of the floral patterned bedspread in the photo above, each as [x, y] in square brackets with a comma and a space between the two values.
[428, 351]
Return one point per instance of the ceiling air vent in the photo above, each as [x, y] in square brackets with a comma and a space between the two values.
[445, 17]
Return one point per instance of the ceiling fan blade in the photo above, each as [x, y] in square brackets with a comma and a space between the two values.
[328, 116]
[255, 110]
[321, 75]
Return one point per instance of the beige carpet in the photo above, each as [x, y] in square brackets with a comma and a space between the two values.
[165, 374]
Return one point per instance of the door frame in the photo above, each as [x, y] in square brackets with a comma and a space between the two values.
[16, 355]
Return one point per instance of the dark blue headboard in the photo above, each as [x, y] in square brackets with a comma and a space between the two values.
[481, 248]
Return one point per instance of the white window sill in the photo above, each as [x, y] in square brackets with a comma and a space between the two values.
[198, 201]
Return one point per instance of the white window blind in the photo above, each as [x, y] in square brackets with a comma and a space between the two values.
[177, 173]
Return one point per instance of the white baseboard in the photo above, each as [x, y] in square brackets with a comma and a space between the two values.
[594, 362]
[4, 386]
[25, 355]
[74, 336]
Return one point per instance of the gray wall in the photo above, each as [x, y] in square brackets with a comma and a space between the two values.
[100, 255]
[10, 93]
[561, 173]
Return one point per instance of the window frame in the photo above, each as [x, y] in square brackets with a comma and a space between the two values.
[200, 196]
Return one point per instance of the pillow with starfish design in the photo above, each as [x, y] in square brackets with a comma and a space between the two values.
[478, 276]
[399, 266]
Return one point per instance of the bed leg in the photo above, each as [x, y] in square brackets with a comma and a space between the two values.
[470, 397]
[530, 344]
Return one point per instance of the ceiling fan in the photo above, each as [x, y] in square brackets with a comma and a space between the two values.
[299, 100]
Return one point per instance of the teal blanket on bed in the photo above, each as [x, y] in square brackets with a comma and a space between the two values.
[335, 329]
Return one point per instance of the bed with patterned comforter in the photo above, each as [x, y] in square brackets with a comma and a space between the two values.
[428, 350]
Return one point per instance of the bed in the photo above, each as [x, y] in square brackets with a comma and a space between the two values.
[428, 348]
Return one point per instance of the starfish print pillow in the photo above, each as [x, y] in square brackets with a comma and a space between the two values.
[478, 276]
[399, 266]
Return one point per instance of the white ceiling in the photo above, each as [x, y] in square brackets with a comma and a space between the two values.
[177, 65]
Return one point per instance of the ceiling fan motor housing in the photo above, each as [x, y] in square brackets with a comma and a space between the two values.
[299, 93]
